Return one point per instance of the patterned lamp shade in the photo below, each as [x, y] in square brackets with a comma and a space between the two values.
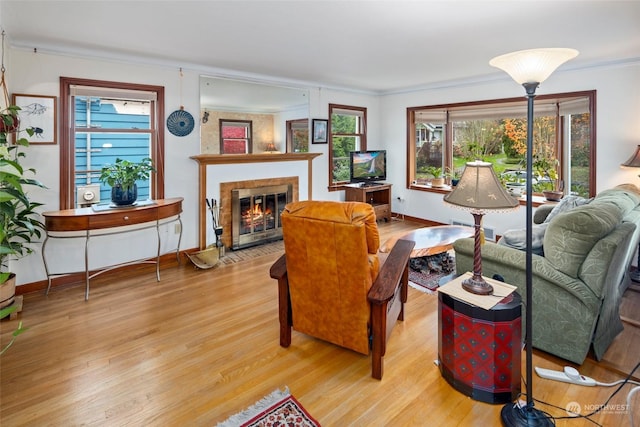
[479, 190]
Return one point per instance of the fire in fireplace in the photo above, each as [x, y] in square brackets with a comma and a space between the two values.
[255, 214]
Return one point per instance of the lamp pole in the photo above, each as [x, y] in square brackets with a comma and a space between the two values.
[529, 68]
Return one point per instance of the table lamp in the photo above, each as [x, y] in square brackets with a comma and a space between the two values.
[634, 162]
[479, 191]
[529, 68]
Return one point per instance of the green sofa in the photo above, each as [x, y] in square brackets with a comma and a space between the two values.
[579, 278]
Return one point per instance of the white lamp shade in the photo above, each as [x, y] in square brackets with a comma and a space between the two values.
[533, 65]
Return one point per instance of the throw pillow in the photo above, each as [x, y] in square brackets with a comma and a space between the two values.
[566, 204]
[517, 238]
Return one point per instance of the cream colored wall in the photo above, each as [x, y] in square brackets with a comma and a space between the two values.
[262, 129]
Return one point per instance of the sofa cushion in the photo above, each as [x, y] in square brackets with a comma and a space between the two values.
[570, 236]
[517, 238]
[625, 199]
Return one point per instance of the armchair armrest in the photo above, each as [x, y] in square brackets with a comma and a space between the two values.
[387, 297]
[391, 272]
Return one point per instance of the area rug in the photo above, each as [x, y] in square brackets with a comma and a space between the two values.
[425, 273]
[232, 257]
[279, 408]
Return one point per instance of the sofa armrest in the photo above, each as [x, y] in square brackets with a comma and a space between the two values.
[542, 211]
[510, 264]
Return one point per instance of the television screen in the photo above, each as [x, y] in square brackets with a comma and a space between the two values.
[368, 166]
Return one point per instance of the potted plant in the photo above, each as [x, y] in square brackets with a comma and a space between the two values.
[436, 173]
[122, 177]
[19, 222]
[454, 175]
[551, 186]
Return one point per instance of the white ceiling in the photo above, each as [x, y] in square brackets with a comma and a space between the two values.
[369, 46]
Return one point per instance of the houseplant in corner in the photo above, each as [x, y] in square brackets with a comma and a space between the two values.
[19, 222]
[122, 177]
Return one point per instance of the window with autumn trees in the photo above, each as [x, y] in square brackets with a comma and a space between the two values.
[448, 136]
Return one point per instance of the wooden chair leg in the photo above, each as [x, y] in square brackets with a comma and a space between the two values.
[379, 340]
[284, 312]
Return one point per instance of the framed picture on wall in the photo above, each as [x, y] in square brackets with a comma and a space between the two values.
[38, 113]
[319, 130]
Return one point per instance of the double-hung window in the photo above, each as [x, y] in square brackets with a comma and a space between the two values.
[104, 121]
[235, 137]
[448, 136]
[347, 132]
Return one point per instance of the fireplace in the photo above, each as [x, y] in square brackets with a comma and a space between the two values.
[255, 214]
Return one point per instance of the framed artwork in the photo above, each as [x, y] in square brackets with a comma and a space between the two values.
[37, 112]
[319, 131]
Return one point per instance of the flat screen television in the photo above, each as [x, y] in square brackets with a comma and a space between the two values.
[368, 166]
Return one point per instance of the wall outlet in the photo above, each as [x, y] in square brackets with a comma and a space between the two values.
[177, 228]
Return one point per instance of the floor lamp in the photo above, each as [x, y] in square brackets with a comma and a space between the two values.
[634, 162]
[529, 68]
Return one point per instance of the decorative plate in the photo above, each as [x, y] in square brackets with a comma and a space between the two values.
[180, 123]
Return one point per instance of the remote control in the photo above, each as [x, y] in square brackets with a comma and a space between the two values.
[570, 375]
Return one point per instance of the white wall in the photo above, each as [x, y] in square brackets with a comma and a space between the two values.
[618, 130]
[39, 73]
[618, 127]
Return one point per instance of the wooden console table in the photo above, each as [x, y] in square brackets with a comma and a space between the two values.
[102, 221]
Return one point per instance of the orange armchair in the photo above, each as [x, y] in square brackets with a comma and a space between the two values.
[331, 284]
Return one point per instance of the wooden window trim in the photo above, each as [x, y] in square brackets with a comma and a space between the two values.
[67, 162]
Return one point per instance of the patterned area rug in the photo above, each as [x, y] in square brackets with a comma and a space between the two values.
[425, 273]
[279, 408]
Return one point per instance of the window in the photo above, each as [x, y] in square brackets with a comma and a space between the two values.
[103, 121]
[347, 132]
[298, 136]
[448, 136]
[235, 137]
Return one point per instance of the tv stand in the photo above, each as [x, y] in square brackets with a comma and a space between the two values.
[377, 195]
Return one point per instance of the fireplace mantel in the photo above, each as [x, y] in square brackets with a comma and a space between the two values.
[226, 159]
[205, 160]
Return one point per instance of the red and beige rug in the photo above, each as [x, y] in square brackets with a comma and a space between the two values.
[427, 273]
[279, 408]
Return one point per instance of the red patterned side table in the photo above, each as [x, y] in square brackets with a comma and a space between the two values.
[479, 349]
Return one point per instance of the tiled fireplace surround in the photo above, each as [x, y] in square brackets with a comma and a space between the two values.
[205, 160]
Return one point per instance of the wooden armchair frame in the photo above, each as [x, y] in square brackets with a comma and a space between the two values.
[386, 297]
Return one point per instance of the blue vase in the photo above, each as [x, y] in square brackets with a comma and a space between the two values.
[120, 197]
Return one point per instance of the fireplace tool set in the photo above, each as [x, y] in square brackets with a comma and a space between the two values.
[210, 257]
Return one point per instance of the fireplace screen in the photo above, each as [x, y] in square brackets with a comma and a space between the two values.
[256, 214]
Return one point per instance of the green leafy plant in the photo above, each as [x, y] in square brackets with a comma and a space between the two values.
[124, 173]
[434, 171]
[19, 222]
[4, 313]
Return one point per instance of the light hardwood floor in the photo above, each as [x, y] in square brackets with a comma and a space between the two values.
[203, 344]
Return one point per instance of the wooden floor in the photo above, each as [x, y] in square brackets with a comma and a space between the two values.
[203, 344]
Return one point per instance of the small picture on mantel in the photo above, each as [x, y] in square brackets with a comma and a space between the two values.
[319, 131]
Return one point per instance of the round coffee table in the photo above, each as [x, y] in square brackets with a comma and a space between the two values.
[430, 240]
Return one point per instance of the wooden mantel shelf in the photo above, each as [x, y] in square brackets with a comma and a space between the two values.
[222, 159]
[205, 160]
